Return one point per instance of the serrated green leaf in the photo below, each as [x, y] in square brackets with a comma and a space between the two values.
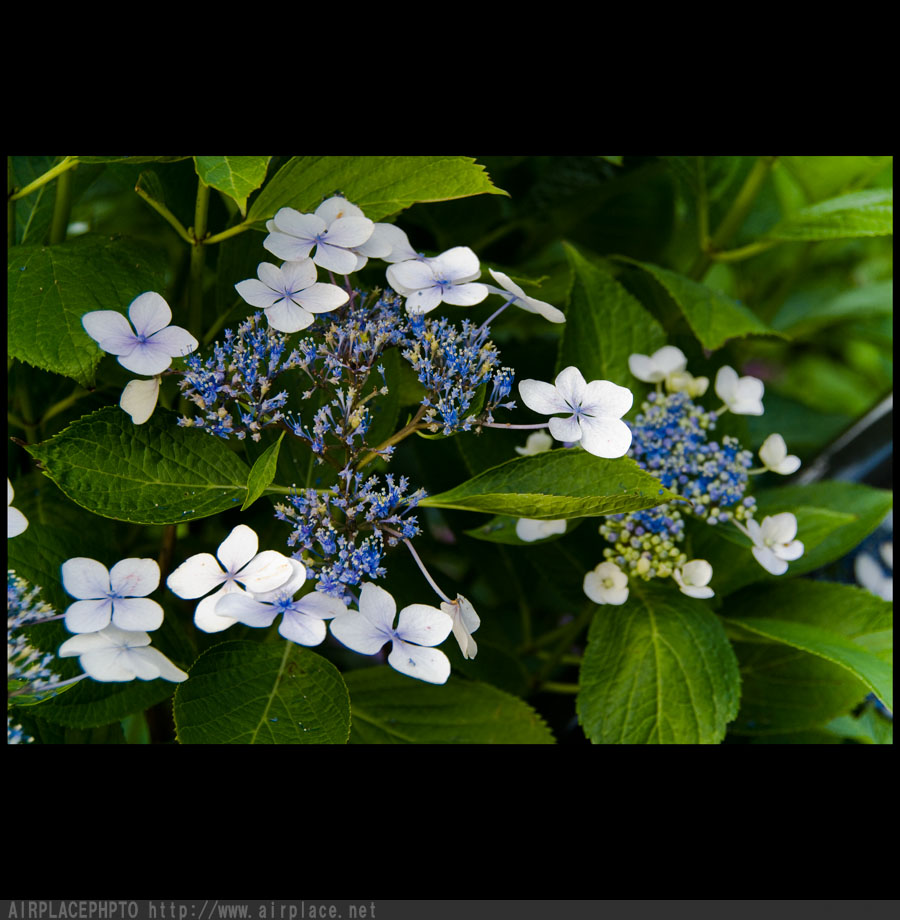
[51, 287]
[155, 473]
[657, 670]
[389, 708]
[713, 317]
[236, 177]
[866, 213]
[247, 693]
[262, 473]
[604, 325]
[555, 485]
[381, 186]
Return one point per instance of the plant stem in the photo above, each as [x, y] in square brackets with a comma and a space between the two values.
[227, 234]
[552, 686]
[166, 214]
[61, 167]
[62, 207]
[198, 255]
[394, 438]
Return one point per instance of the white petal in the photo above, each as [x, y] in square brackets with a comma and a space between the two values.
[382, 242]
[410, 276]
[609, 438]
[697, 591]
[288, 247]
[780, 528]
[164, 668]
[289, 588]
[304, 226]
[606, 399]
[769, 561]
[107, 665]
[88, 616]
[298, 627]
[359, 633]
[177, 342]
[542, 397]
[136, 614]
[85, 578]
[297, 276]
[134, 577]
[423, 625]
[697, 572]
[335, 207]
[335, 259]
[238, 548]
[246, 609]
[149, 313]
[16, 522]
[139, 399]
[642, 367]
[258, 294]
[423, 301]
[265, 572]
[147, 358]
[205, 615]
[530, 530]
[322, 297]
[377, 606]
[401, 250]
[347, 232]
[288, 317]
[571, 385]
[428, 664]
[321, 605]
[773, 450]
[565, 429]
[196, 576]
[726, 383]
[465, 295]
[459, 264]
[110, 330]
[669, 360]
[790, 551]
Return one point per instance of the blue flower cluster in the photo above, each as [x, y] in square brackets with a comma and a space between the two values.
[241, 372]
[670, 439]
[453, 365]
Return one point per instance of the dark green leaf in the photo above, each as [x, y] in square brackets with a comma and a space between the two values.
[866, 213]
[262, 473]
[236, 177]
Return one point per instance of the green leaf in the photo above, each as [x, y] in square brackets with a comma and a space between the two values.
[822, 177]
[246, 693]
[555, 485]
[389, 708]
[236, 177]
[155, 473]
[262, 473]
[806, 315]
[657, 670]
[130, 160]
[866, 213]
[713, 317]
[604, 325]
[381, 186]
[51, 287]
[876, 674]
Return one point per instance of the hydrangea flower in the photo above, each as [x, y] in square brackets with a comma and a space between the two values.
[693, 577]
[151, 345]
[606, 584]
[236, 567]
[117, 595]
[16, 522]
[536, 443]
[773, 541]
[114, 654]
[659, 366]
[303, 620]
[290, 295]
[741, 395]
[465, 622]
[775, 457]
[419, 628]
[338, 231]
[448, 278]
[530, 530]
[139, 399]
[595, 411]
[520, 299]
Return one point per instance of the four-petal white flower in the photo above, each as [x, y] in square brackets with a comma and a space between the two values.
[606, 584]
[741, 395]
[448, 278]
[117, 595]
[114, 654]
[290, 295]
[238, 568]
[595, 411]
[16, 522]
[775, 457]
[303, 619]
[693, 578]
[659, 366]
[465, 622]
[419, 628]
[529, 530]
[520, 299]
[773, 541]
[151, 345]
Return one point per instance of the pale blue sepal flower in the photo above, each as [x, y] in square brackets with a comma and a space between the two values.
[447, 278]
[594, 411]
[419, 628]
[518, 298]
[303, 619]
[117, 595]
[741, 395]
[114, 654]
[150, 346]
[16, 522]
[290, 295]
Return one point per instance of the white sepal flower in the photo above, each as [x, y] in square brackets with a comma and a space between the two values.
[419, 628]
[520, 299]
[529, 530]
[465, 622]
[336, 230]
[606, 584]
[536, 443]
[148, 348]
[114, 654]
[659, 366]
[448, 278]
[773, 541]
[16, 522]
[290, 295]
[741, 395]
[238, 568]
[775, 457]
[139, 399]
[303, 619]
[870, 574]
[117, 595]
[693, 577]
[594, 410]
